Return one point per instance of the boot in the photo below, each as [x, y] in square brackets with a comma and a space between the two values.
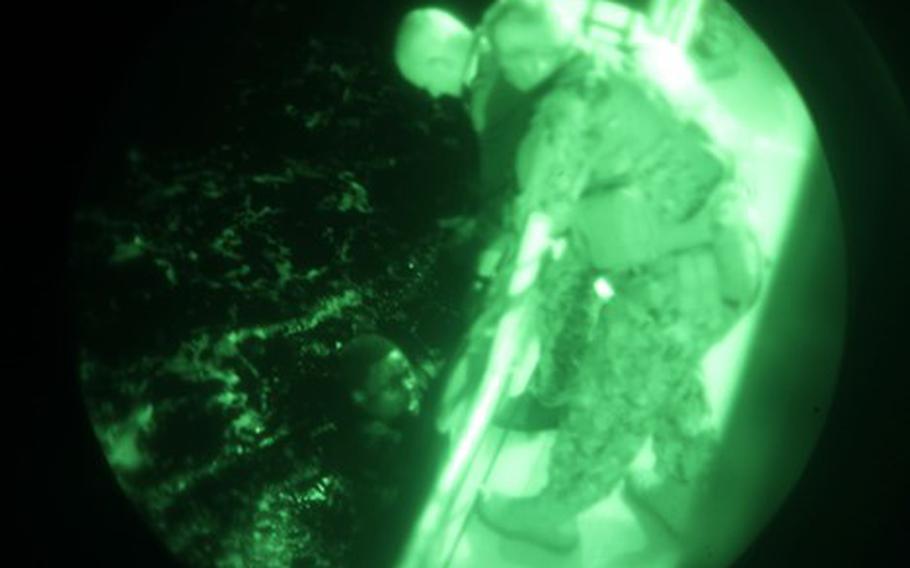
[536, 520]
[666, 501]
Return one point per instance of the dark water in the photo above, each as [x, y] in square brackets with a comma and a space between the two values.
[147, 92]
[265, 188]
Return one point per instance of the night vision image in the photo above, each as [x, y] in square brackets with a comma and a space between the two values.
[523, 283]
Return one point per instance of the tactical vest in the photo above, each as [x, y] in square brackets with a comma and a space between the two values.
[501, 116]
[630, 136]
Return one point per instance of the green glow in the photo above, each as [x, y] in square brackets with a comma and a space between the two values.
[122, 440]
[603, 288]
[782, 138]
[611, 15]
[665, 63]
[503, 351]
[222, 429]
[510, 342]
[755, 120]
[691, 11]
[129, 250]
[660, 13]
[536, 240]
[676, 20]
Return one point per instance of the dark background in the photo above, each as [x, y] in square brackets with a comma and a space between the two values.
[73, 61]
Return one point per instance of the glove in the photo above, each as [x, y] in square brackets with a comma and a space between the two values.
[461, 229]
[736, 250]
[738, 260]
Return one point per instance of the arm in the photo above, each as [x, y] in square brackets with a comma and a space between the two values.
[553, 164]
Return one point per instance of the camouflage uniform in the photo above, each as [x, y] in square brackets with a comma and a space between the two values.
[629, 368]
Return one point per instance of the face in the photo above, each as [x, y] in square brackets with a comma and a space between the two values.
[524, 54]
[439, 76]
[386, 394]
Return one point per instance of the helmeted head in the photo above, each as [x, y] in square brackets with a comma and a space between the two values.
[433, 51]
[531, 39]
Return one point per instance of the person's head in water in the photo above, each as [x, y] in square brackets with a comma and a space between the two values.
[531, 39]
[380, 379]
[433, 51]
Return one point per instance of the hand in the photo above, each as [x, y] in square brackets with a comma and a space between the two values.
[738, 257]
[729, 270]
[491, 258]
[461, 228]
[452, 419]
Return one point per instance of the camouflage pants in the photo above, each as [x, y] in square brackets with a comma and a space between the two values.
[626, 370]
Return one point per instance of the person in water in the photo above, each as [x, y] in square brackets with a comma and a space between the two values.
[386, 446]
